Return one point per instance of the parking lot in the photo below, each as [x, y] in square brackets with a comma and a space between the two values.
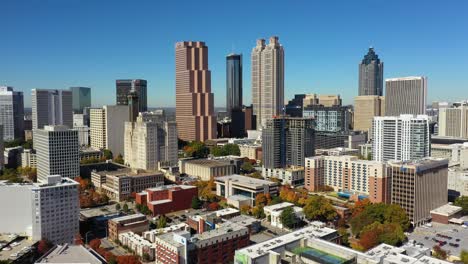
[445, 234]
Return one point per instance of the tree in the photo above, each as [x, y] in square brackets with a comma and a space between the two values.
[145, 210]
[117, 207]
[343, 232]
[119, 159]
[244, 209]
[43, 246]
[381, 213]
[231, 149]
[288, 217]
[391, 234]
[107, 154]
[262, 199]
[258, 212]
[217, 151]
[213, 206]
[95, 244]
[462, 201]
[196, 149]
[162, 222]
[256, 175]
[196, 203]
[247, 167]
[319, 208]
[125, 207]
[464, 257]
[439, 252]
[359, 206]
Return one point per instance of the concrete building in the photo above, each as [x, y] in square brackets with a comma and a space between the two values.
[57, 152]
[12, 157]
[365, 109]
[419, 187]
[81, 98]
[457, 181]
[273, 212]
[69, 253]
[406, 137]
[286, 141]
[453, 122]
[38, 213]
[337, 152]
[136, 223]
[328, 140]
[83, 135]
[248, 187]
[292, 175]
[348, 174]
[457, 153]
[107, 127]
[206, 169]
[51, 107]
[326, 100]
[2, 157]
[138, 244]
[251, 151]
[445, 213]
[168, 198]
[123, 88]
[329, 118]
[120, 184]
[11, 113]
[194, 100]
[29, 158]
[294, 106]
[267, 80]
[371, 74]
[407, 95]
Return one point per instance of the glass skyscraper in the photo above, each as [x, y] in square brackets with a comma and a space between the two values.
[233, 82]
[371, 74]
[81, 98]
[123, 88]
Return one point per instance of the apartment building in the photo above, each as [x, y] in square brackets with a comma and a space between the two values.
[136, 223]
[292, 175]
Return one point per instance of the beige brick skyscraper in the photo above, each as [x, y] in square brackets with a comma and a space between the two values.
[366, 107]
[194, 99]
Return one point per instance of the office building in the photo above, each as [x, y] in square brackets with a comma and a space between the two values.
[136, 223]
[206, 169]
[11, 113]
[51, 107]
[336, 119]
[403, 138]
[47, 210]
[286, 141]
[149, 143]
[419, 187]
[365, 109]
[267, 80]
[371, 74]
[292, 175]
[233, 83]
[168, 198]
[57, 152]
[407, 95]
[453, 122]
[123, 88]
[249, 118]
[294, 106]
[194, 100]
[107, 127]
[81, 98]
[326, 100]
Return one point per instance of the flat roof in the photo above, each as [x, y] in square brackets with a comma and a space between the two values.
[128, 217]
[128, 172]
[70, 254]
[169, 187]
[226, 228]
[277, 207]
[244, 180]
[243, 220]
[226, 211]
[209, 162]
[447, 210]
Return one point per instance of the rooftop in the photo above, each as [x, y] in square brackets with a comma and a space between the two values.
[209, 162]
[278, 207]
[123, 172]
[224, 229]
[447, 210]
[71, 254]
[243, 220]
[170, 187]
[129, 217]
[428, 162]
[244, 180]
[226, 211]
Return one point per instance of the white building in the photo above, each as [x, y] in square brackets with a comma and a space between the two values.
[406, 137]
[458, 181]
[2, 161]
[457, 154]
[57, 152]
[29, 158]
[11, 113]
[274, 212]
[51, 107]
[48, 210]
[293, 175]
[453, 122]
[138, 244]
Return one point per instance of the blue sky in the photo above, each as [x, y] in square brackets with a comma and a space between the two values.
[58, 44]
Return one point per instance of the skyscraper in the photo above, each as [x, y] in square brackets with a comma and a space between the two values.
[294, 106]
[286, 141]
[123, 88]
[453, 122]
[57, 152]
[371, 74]
[404, 137]
[81, 98]
[366, 107]
[51, 107]
[194, 100]
[407, 95]
[233, 82]
[11, 113]
[267, 80]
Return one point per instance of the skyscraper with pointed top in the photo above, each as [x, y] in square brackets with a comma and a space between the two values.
[371, 74]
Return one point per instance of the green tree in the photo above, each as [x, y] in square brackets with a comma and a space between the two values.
[196, 149]
[247, 167]
[319, 208]
[119, 159]
[464, 257]
[380, 213]
[462, 201]
[231, 149]
[257, 212]
[117, 207]
[196, 203]
[162, 221]
[107, 154]
[125, 207]
[217, 151]
[439, 252]
[288, 218]
[343, 232]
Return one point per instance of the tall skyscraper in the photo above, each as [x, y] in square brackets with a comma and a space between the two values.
[51, 107]
[11, 113]
[233, 82]
[57, 152]
[366, 107]
[194, 100]
[371, 74]
[453, 122]
[267, 80]
[407, 95]
[81, 98]
[286, 141]
[123, 88]
[294, 106]
[404, 137]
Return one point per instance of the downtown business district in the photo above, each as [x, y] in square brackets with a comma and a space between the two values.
[203, 187]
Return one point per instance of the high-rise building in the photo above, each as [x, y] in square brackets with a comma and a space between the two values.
[107, 127]
[194, 100]
[327, 100]
[294, 106]
[149, 142]
[405, 137]
[329, 118]
[123, 88]
[81, 98]
[419, 187]
[57, 152]
[365, 109]
[407, 95]
[286, 141]
[249, 118]
[267, 80]
[2, 158]
[233, 82]
[371, 74]
[453, 122]
[11, 113]
[46, 210]
[51, 107]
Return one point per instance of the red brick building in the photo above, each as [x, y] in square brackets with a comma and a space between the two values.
[166, 199]
[136, 223]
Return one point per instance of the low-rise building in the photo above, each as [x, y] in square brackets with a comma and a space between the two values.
[69, 253]
[446, 212]
[152, 234]
[206, 169]
[138, 245]
[337, 152]
[273, 212]
[120, 184]
[292, 175]
[87, 153]
[234, 185]
[251, 151]
[28, 158]
[457, 153]
[136, 223]
[169, 198]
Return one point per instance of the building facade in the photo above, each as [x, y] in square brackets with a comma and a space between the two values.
[365, 109]
[233, 83]
[453, 122]
[194, 100]
[407, 95]
[292, 175]
[123, 88]
[51, 107]
[11, 113]
[168, 198]
[81, 98]
[206, 169]
[371, 75]
[336, 119]
[136, 223]
[267, 80]
[294, 106]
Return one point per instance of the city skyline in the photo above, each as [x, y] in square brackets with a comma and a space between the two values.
[93, 64]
